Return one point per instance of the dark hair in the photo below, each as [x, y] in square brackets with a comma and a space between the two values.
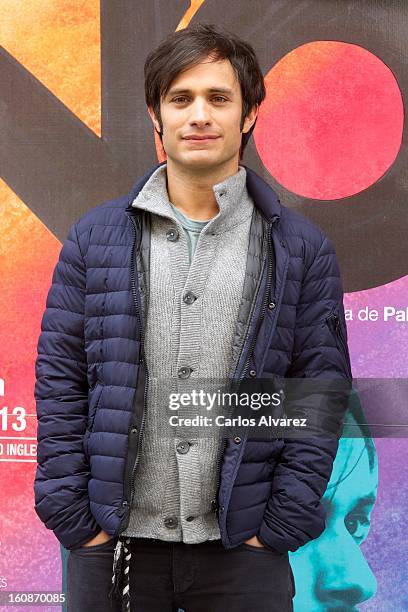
[188, 47]
[355, 419]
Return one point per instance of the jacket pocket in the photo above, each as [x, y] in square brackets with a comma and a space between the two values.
[334, 323]
[94, 398]
[261, 549]
[93, 376]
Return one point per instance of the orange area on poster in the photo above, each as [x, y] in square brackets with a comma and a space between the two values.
[58, 41]
[28, 253]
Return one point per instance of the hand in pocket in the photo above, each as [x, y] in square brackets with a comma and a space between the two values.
[100, 538]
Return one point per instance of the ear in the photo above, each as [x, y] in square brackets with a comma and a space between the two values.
[250, 119]
[154, 119]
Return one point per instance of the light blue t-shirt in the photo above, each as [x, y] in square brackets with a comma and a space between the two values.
[192, 229]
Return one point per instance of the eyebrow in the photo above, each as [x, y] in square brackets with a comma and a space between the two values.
[367, 500]
[179, 90]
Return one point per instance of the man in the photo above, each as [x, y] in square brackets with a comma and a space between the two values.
[198, 274]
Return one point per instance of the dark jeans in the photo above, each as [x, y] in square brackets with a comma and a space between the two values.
[166, 576]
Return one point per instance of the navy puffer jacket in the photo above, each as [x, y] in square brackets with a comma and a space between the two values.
[91, 378]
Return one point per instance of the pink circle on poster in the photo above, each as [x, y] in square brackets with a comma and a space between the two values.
[332, 120]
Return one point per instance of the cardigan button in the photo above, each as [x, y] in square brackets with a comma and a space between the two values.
[172, 235]
[189, 297]
[271, 305]
[183, 447]
[252, 373]
[184, 372]
[237, 440]
[171, 522]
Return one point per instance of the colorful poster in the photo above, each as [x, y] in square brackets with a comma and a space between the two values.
[329, 140]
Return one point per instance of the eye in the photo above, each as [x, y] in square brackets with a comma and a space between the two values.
[179, 98]
[358, 525]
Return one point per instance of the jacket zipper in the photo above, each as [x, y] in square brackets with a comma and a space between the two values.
[142, 357]
[214, 502]
[265, 301]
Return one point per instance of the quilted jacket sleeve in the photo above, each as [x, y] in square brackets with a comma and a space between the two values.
[61, 393]
[294, 514]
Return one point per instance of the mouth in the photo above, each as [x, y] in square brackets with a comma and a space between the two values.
[200, 138]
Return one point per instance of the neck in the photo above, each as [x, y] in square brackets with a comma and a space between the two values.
[191, 189]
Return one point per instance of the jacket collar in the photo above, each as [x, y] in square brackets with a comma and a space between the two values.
[231, 196]
[264, 197]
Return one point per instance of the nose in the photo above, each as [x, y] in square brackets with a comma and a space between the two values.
[200, 113]
[347, 580]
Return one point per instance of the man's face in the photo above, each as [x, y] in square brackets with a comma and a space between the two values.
[331, 572]
[205, 100]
